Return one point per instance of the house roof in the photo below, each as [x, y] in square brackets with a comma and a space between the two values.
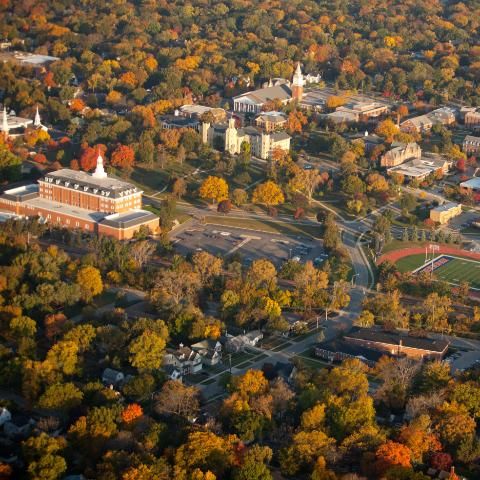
[110, 375]
[279, 136]
[471, 139]
[341, 346]
[263, 95]
[85, 182]
[473, 183]
[395, 338]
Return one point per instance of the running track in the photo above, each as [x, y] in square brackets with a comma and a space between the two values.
[406, 252]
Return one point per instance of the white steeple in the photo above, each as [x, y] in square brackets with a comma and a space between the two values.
[37, 122]
[5, 127]
[99, 171]
[298, 77]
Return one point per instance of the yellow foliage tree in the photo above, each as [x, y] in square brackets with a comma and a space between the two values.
[268, 193]
[387, 129]
[214, 188]
[90, 280]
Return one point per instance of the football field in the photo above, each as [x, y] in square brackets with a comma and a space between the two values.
[450, 268]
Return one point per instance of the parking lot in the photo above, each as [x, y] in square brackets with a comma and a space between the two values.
[249, 245]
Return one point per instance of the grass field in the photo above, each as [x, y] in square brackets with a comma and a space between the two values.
[457, 270]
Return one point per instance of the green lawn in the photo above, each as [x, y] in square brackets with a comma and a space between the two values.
[457, 270]
[265, 226]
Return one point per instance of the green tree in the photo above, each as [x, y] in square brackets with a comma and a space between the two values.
[42, 456]
[10, 165]
[60, 396]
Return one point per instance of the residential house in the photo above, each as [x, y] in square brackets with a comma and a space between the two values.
[19, 426]
[230, 138]
[184, 358]
[471, 186]
[210, 350]
[112, 378]
[241, 342]
[400, 153]
[471, 144]
[283, 370]
[173, 373]
[271, 121]
[444, 213]
[5, 416]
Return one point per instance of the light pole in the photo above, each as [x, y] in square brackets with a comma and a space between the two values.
[433, 248]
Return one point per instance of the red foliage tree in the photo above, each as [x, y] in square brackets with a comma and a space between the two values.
[225, 206]
[461, 165]
[40, 158]
[74, 165]
[132, 412]
[441, 461]
[53, 324]
[123, 157]
[89, 155]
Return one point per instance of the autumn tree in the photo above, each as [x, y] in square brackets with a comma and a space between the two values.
[89, 155]
[42, 454]
[60, 396]
[268, 193]
[310, 285]
[214, 188]
[392, 454]
[387, 129]
[207, 266]
[123, 157]
[296, 121]
[90, 279]
[131, 412]
[146, 351]
[177, 399]
[437, 307]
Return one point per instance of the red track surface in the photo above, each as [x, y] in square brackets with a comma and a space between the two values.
[406, 252]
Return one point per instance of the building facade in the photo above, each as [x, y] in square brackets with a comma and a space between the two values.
[271, 121]
[400, 153]
[230, 139]
[444, 213]
[471, 144]
[472, 118]
[79, 200]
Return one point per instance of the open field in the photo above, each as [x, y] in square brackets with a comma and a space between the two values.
[452, 269]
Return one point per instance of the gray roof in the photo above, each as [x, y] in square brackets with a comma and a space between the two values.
[128, 219]
[446, 207]
[263, 95]
[85, 182]
[279, 136]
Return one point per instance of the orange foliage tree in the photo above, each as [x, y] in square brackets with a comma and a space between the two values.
[88, 157]
[123, 157]
[392, 454]
[77, 105]
[40, 158]
[132, 412]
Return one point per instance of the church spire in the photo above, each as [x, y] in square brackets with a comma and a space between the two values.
[5, 127]
[37, 122]
[99, 171]
[297, 84]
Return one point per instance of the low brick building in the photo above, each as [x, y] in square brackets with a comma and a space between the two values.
[444, 213]
[397, 343]
[79, 200]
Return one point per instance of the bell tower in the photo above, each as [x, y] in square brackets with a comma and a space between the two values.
[297, 84]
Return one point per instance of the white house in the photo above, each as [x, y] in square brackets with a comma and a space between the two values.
[185, 359]
[210, 350]
[5, 416]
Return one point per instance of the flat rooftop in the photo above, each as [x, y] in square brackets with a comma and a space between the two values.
[128, 219]
[25, 58]
[446, 207]
[63, 209]
[86, 182]
[394, 339]
[21, 194]
[473, 183]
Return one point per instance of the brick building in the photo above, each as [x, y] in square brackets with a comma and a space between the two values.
[78, 200]
[443, 213]
[400, 153]
[397, 343]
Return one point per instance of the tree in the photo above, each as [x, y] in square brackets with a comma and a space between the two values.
[419, 439]
[177, 399]
[90, 279]
[61, 396]
[387, 129]
[239, 197]
[437, 308]
[214, 188]
[310, 285]
[10, 165]
[23, 327]
[366, 319]
[268, 193]
[123, 157]
[131, 412]
[207, 266]
[453, 423]
[141, 251]
[254, 464]
[63, 356]
[89, 155]
[392, 454]
[225, 206]
[306, 181]
[146, 148]
[296, 121]
[331, 234]
[41, 454]
[146, 351]
[179, 188]
[353, 185]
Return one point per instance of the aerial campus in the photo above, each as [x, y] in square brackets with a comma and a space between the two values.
[239, 240]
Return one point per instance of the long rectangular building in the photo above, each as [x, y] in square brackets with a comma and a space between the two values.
[94, 203]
